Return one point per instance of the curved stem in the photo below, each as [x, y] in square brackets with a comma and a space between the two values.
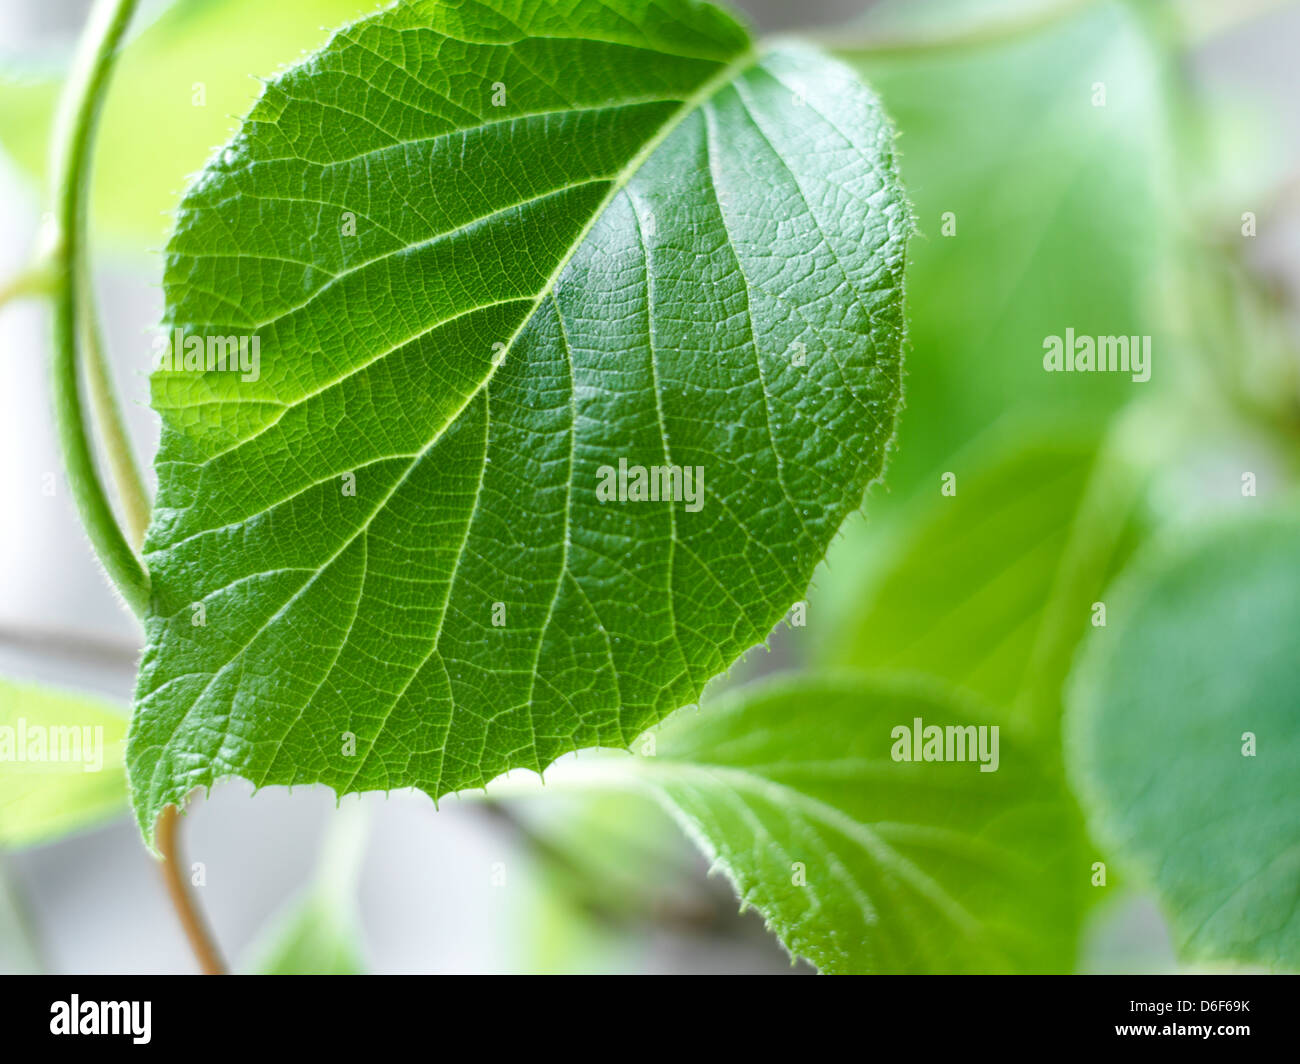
[74, 324]
[195, 927]
[131, 491]
[79, 117]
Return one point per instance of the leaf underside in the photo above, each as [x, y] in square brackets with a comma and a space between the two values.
[580, 236]
[863, 863]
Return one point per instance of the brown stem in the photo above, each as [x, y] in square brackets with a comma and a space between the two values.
[187, 909]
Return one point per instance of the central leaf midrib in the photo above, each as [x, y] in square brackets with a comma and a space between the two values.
[723, 78]
[701, 96]
[710, 88]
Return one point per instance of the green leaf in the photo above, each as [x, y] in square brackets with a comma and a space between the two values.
[991, 588]
[663, 247]
[60, 763]
[1060, 213]
[910, 866]
[1198, 655]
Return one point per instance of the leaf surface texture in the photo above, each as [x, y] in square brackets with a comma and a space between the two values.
[582, 234]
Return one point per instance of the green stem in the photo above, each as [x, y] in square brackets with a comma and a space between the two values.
[116, 440]
[80, 108]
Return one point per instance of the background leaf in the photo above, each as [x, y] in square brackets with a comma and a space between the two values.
[910, 866]
[1200, 650]
[1061, 214]
[42, 801]
[609, 230]
[318, 933]
[992, 587]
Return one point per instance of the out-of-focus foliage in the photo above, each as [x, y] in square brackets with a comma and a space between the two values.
[993, 586]
[318, 932]
[1185, 740]
[614, 872]
[310, 938]
[862, 862]
[1059, 211]
[60, 763]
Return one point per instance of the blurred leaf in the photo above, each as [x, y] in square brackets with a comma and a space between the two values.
[60, 763]
[20, 952]
[154, 135]
[1200, 651]
[608, 866]
[319, 933]
[1060, 222]
[28, 95]
[991, 588]
[910, 866]
[614, 855]
[310, 939]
